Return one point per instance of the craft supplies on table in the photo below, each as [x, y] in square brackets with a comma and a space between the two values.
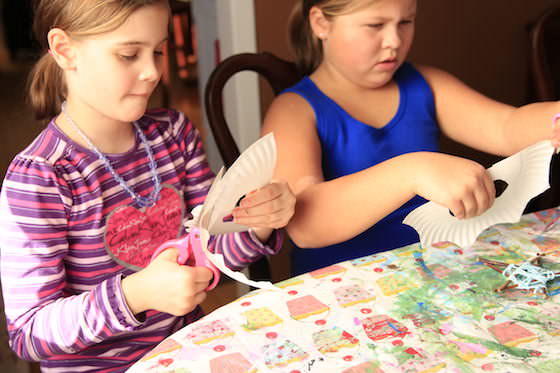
[412, 309]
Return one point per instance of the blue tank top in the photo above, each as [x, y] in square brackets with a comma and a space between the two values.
[349, 146]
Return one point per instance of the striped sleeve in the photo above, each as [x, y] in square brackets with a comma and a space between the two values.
[44, 318]
[242, 248]
[239, 249]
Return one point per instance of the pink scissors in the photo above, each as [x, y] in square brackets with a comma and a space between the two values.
[190, 246]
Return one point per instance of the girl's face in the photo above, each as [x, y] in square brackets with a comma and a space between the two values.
[367, 46]
[116, 72]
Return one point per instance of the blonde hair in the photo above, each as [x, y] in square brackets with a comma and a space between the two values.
[78, 18]
[306, 47]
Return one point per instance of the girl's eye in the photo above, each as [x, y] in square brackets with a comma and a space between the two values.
[159, 53]
[128, 57]
[406, 22]
[375, 25]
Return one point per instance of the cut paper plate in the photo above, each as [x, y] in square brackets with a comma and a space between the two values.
[526, 174]
[202, 214]
[252, 170]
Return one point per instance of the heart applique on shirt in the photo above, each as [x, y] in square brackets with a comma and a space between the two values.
[133, 234]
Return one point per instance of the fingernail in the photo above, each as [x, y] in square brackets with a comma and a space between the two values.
[227, 218]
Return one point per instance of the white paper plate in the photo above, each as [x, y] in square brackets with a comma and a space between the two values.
[252, 170]
[526, 174]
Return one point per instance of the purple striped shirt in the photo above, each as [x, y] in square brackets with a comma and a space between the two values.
[62, 289]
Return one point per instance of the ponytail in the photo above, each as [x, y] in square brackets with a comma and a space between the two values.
[46, 88]
[306, 47]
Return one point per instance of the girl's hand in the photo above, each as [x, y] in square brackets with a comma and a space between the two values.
[555, 140]
[461, 185]
[166, 286]
[267, 208]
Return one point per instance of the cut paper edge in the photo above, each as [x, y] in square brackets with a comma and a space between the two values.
[527, 174]
[203, 218]
[218, 261]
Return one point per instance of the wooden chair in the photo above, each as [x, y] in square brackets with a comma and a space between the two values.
[544, 59]
[544, 73]
[279, 74]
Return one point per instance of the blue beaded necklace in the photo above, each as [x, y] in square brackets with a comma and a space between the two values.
[146, 201]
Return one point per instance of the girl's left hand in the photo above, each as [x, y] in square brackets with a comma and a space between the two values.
[269, 207]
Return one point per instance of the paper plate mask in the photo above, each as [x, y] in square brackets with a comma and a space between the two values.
[525, 175]
[252, 170]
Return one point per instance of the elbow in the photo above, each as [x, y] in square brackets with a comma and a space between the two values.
[302, 237]
[18, 346]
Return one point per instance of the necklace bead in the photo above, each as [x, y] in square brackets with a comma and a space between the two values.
[142, 201]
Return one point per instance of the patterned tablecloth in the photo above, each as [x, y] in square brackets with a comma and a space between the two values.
[405, 310]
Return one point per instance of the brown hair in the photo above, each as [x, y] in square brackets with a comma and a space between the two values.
[78, 18]
[307, 48]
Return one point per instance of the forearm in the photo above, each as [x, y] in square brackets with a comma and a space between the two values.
[67, 325]
[527, 125]
[337, 210]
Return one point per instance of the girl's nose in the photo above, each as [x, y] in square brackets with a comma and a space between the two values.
[392, 38]
[151, 71]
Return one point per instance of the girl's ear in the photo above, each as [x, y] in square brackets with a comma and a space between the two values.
[62, 49]
[319, 23]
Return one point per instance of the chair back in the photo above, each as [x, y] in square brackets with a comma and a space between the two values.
[544, 65]
[544, 59]
[279, 74]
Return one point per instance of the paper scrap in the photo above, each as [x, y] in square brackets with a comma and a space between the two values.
[218, 261]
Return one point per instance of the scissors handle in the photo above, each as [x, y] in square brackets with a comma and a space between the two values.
[200, 257]
[189, 246]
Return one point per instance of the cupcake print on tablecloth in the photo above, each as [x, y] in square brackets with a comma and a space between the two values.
[207, 332]
[353, 294]
[335, 342]
[307, 308]
[380, 327]
[511, 334]
[395, 283]
[282, 353]
[231, 363]
[291, 282]
[260, 318]
[167, 346]
[365, 261]
[325, 272]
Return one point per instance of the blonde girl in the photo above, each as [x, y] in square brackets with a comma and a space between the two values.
[358, 135]
[83, 207]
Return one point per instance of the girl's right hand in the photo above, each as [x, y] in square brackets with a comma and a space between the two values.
[463, 186]
[166, 286]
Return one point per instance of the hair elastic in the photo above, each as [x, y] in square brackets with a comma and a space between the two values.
[555, 119]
